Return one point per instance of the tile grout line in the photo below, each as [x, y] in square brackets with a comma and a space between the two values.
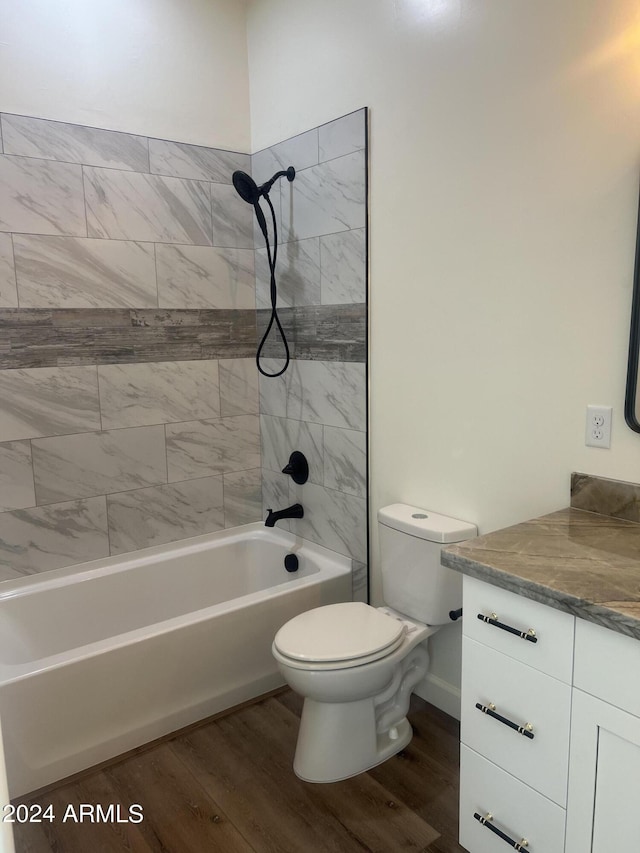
[33, 476]
[84, 199]
[15, 268]
[155, 268]
[121, 168]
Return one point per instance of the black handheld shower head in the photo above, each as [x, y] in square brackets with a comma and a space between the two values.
[246, 187]
[250, 192]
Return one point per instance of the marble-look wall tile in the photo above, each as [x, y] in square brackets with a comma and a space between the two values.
[343, 266]
[345, 461]
[359, 582]
[9, 574]
[299, 151]
[8, 290]
[134, 206]
[342, 136]
[16, 475]
[77, 272]
[333, 519]
[242, 497]
[200, 448]
[48, 401]
[74, 143]
[280, 437]
[232, 218]
[327, 392]
[195, 161]
[325, 199]
[50, 537]
[78, 466]
[158, 392]
[41, 197]
[238, 387]
[273, 389]
[297, 274]
[275, 494]
[153, 516]
[205, 277]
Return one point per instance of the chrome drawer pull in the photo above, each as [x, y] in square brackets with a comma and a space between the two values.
[526, 730]
[486, 821]
[529, 635]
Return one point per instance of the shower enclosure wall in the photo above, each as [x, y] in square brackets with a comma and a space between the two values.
[130, 410]
[319, 406]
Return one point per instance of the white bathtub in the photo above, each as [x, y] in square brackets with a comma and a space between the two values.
[100, 658]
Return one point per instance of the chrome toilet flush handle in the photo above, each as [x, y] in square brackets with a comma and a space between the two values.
[529, 635]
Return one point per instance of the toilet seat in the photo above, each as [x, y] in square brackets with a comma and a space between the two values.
[338, 636]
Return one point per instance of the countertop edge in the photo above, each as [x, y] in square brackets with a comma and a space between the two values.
[597, 613]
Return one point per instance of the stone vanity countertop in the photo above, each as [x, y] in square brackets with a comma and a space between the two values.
[579, 562]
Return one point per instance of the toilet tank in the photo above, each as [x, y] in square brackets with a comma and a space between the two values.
[413, 581]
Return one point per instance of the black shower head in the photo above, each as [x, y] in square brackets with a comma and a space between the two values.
[250, 192]
[246, 187]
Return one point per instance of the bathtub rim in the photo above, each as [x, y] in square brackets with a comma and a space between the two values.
[53, 578]
[332, 565]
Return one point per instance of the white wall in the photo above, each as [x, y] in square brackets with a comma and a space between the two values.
[175, 69]
[504, 182]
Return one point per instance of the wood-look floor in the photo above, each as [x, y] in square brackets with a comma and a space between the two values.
[227, 786]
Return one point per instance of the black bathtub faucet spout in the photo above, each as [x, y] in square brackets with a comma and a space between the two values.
[294, 511]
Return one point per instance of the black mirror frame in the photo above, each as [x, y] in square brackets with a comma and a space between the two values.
[630, 400]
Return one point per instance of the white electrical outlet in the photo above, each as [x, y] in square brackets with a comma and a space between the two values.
[598, 431]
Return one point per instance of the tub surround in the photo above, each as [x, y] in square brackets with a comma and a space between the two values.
[586, 563]
[319, 406]
[129, 411]
[130, 408]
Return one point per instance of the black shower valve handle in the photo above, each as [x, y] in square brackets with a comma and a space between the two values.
[297, 468]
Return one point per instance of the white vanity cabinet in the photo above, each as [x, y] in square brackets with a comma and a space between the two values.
[517, 662]
[574, 787]
[604, 778]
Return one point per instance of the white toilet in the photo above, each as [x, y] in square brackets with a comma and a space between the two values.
[356, 665]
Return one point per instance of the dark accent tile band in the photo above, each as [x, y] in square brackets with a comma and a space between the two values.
[34, 337]
[614, 498]
[319, 332]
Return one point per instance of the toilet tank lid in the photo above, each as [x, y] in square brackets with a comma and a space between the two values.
[426, 524]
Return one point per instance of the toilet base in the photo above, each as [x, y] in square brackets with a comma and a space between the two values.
[339, 740]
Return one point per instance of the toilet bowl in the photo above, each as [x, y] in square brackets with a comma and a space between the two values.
[357, 665]
[356, 700]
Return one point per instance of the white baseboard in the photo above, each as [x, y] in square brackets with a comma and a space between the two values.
[441, 694]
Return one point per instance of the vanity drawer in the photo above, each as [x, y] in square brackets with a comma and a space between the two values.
[521, 695]
[550, 647]
[518, 811]
[607, 665]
